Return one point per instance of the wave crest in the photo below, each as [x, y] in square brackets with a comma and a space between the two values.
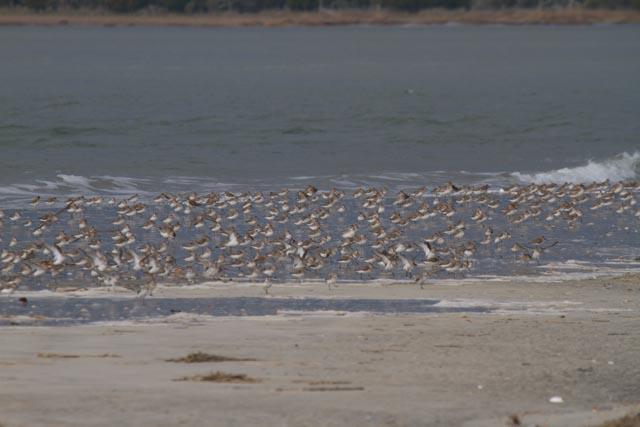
[618, 168]
[622, 167]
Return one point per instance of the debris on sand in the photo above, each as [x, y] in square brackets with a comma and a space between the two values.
[333, 389]
[514, 420]
[200, 357]
[74, 356]
[626, 421]
[323, 382]
[221, 377]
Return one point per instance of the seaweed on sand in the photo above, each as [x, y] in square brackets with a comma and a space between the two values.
[201, 357]
[221, 377]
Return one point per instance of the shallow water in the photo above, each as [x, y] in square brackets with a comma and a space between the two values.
[61, 311]
[304, 239]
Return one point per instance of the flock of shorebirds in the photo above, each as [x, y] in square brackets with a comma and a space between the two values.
[291, 234]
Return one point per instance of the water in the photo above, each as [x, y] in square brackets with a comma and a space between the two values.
[137, 111]
[61, 311]
[604, 239]
[132, 110]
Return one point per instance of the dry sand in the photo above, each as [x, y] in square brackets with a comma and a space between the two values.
[578, 340]
[575, 16]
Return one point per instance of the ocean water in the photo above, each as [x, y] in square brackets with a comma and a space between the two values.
[133, 110]
[127, 113]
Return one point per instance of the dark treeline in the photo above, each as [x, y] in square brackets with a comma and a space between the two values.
[198, 6]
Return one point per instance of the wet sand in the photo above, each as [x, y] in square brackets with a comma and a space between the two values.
[574, 16]
[578, 340]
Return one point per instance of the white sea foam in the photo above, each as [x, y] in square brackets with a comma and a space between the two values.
[621, 167]
[75, 180]
[618, 168]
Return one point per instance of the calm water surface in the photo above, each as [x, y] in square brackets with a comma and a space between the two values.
[125, 110]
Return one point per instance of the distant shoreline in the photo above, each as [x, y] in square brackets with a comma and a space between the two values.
[576, 16]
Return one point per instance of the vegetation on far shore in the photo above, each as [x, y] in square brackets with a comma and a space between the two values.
[8, 7]
[280, 18]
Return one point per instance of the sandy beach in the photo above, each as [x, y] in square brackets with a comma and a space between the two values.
[574, 340]
[576, 16]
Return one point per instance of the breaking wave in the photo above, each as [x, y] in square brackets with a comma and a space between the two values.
[66, 185]
[618, 168]
[624, 166]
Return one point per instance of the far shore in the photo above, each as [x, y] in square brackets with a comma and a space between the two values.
[574, 16]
